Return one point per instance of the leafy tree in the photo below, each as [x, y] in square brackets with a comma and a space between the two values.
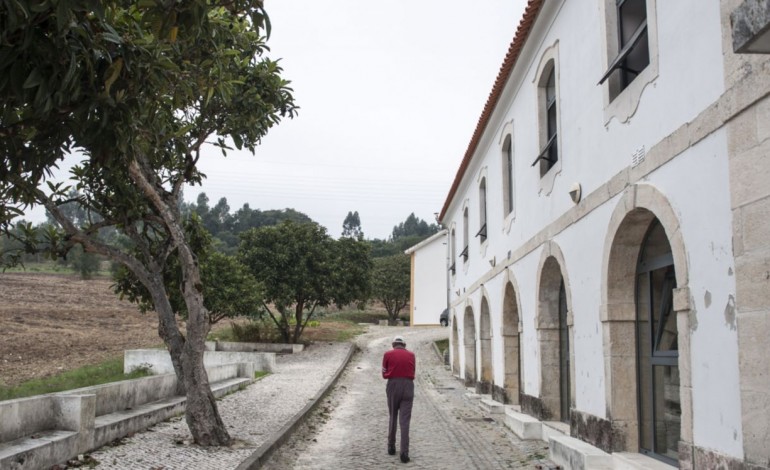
[391, 283]
[352, 271]
[136, 89]
[351, 227]
[412, 226]
[301, 268]
[229, 289]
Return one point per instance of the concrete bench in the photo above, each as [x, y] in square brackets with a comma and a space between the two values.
[130, 406]
[159, 360]
[39, 432]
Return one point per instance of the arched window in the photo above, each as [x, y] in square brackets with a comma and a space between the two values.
[453, 251]
[548, 119]
[508, 186]
[482, 233]
[464, 253]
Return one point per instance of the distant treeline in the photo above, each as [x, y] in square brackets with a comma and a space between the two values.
[226, 226]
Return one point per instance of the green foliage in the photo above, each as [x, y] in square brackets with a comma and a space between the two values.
[257, 331]
[351, 227]
[302, 268]
[414, 226]
[229, 289]
[391, 283]
[106, 372]
[226, 227]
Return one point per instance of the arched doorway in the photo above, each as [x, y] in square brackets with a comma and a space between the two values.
[554, 341]
[484, 385]
[455, 347]
[512, 359]
[469, 339]
[645, 321]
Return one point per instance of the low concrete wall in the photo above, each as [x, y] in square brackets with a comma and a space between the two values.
[42, 431]
[284, 348]
[159, 360]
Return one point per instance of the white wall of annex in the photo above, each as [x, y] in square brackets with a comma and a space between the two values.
[429, 283]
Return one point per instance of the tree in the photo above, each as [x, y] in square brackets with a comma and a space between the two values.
[413, 225]
[351, 227]
[391, 283]
[136, 89]
[301, 268]
[229, 289]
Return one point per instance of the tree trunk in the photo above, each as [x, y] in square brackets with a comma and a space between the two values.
[201, 410]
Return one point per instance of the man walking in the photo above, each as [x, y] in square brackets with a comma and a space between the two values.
[398, 367]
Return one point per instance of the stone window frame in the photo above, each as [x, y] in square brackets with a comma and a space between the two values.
[624, 104]
[549, 61]
[465, 253]
[508, 171]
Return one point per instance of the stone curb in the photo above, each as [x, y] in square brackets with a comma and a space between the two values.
[264, 451]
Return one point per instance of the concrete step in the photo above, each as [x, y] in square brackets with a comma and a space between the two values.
[39, 450]
[632, 461]
[524, 426]
[574, 454]
[223, 387]
[554, 428]
[491, 406]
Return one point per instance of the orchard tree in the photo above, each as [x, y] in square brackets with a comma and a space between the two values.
[229, 289]
[136, 90]
[302, 268]
[391, 283]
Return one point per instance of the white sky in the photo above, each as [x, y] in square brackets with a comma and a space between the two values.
[390, 94]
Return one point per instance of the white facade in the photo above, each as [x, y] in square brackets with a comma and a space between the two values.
[659, 153]
[428, 296]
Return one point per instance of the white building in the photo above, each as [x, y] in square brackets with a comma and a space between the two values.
[428, 288]
[609, 230]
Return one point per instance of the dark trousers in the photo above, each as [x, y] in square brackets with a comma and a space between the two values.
[400, 394]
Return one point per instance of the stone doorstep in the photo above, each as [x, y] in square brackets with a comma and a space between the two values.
[39, 450]
[524, 426]
[492, 406]
[632, 461]
[574, 454]
[554, 428]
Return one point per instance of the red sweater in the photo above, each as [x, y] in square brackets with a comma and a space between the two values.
[398, 362]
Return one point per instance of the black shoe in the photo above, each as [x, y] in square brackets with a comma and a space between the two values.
[404, 458]
[391, 449]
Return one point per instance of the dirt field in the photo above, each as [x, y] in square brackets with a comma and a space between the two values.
[50, 323]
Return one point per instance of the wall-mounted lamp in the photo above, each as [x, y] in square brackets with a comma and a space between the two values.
[575, 192]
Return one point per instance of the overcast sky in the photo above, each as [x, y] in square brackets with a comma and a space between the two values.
[389, 95]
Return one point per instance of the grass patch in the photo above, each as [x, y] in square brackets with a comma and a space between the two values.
[442, 344]
[258, 374]
[357, 316]
[105, 372]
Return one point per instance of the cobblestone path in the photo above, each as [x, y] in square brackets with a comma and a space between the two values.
[349, 428]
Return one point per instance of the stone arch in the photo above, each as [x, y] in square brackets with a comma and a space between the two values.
[469, 342]
[455, 360]
[511, 330]
[486, 378]
[557, 370]
[639, 207]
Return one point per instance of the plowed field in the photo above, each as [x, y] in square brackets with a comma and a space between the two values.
[50, 323]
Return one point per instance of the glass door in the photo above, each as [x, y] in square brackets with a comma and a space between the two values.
[657, 350]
